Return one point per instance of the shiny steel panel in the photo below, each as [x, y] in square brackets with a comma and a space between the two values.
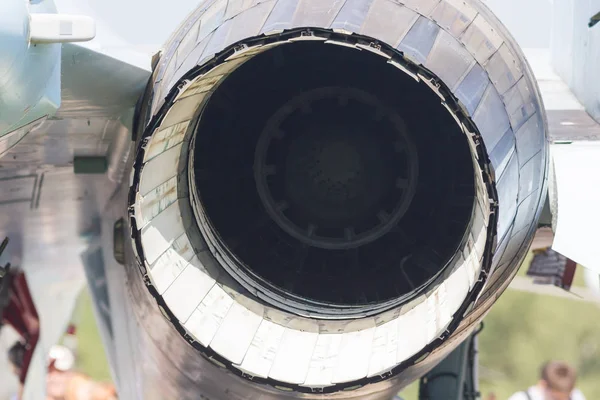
[193, 57]
[159, 233]
[352, 15]
[481, 39]
[317, 12]
[491, 118]
[218, 39]
[527, 210]
[187, 292]
[528, 138]
[502, 153]
[281, 17]
[234, 7]
[423, 7]
[454, 16]
[418, 42]
[388, 22]
[170, 264]
[530, 176]
[500, 249]
[448, 51]
[471, 89]
[520, 104]
[507, 196]
[249, 23]
[515, 242]
[187, 44]
[205, 321]
[504, 69]
[212, 18]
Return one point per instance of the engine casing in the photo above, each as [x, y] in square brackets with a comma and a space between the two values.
[462, 116]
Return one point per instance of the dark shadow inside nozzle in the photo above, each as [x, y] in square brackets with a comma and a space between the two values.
[308, 178]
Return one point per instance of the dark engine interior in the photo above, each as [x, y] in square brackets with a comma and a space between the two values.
[333, 175]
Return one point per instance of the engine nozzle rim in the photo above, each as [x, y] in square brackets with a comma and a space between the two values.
[482, 160]
[291, 302]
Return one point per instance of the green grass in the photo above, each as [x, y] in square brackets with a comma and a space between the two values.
[91, 358]
[411, 392]
[522, 331]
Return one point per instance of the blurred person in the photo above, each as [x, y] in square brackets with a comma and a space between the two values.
[61, 383]
[16, 357]
[70, 385]
[557, 382]
[64, 384]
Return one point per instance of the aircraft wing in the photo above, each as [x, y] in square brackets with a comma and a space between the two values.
[577, 172]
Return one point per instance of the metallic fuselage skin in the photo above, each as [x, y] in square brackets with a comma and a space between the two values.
[460, 42]
[167, 367]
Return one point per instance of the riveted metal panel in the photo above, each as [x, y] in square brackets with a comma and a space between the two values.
[281, 17]
[491, 118]
[527, 210]
[515, 242]
[471, 89]
[212, 18]
[249, 23]
[418, 42]
[502, 243]
[193, 56]
[352, 16]
[316, 12]
[501, 154]
[481, 39]
[507, 196]
[504, 69]
[530, 138]
[187, 44]
[447, 51]
[235, 7]
[520, 104]
[217, 41]
[530, 175]
[389, 22]
[454, 16]
[423, 7]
